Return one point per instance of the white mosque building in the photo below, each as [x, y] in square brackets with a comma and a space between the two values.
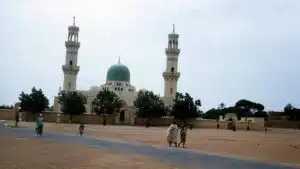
[118, 77]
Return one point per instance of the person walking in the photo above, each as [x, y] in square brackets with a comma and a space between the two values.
[58, 119]
[81, 128]
[17, 116]
[183, 132]
[172, 134]
[39, 125]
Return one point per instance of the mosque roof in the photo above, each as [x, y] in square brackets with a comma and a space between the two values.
[118, 72]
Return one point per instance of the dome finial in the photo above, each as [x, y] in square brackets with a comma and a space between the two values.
[119, 61]
[74, 20]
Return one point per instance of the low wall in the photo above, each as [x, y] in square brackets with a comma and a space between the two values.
[202, 123]
[86, 118]
[282, 124]
[7, 114]
[153, 121]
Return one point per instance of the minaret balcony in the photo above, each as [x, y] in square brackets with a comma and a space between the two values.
[171, 75]
[70, 68]
[172, 51]
[72, 44]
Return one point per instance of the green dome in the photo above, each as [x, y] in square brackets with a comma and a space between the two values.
[118, 72]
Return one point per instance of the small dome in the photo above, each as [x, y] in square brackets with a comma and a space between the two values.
[118, 72]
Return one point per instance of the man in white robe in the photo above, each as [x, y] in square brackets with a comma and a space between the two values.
[172, 134]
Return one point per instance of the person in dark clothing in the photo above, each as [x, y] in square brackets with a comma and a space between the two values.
[81, 128]
[17, 117]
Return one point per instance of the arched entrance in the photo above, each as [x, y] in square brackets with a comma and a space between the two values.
[231, 120]
[122, 116]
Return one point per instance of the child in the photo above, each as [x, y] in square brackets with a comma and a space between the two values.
[58, 120]
[81, 128]
[183, 131]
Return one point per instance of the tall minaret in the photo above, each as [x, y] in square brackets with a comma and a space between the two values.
[70, 68]
[171, 74]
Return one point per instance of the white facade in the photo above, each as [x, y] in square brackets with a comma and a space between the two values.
[171, 74]
[118, 77]
[70, 68]
[124, 90]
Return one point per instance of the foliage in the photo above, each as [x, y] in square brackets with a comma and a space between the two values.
[221, 106]
[72, 102]
[106, 102]
[222, 110]
[149, 105]
[292, 112]
[184, 107]
[248, 108]
[6, 107]
[34, 102]
[213, 113]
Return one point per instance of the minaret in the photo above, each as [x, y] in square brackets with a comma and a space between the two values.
[171, 74]
[70, 68]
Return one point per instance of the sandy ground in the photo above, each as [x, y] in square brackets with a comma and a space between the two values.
[281, 146]
[22, 153]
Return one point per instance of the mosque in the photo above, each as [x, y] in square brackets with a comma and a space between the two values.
[118, 77]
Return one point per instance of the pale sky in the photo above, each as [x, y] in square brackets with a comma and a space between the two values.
[230, 49]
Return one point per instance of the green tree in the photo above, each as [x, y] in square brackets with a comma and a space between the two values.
[106, 102]
[72, 102]
[221, 106]
[6, 107]
[149, 105]
[35, 102]
[292, 112]
[184, 107]
[212, 114]
[288, 107]
[248, 108]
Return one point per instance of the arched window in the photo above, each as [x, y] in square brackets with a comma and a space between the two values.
[171, 90]
[71, 62]
[69, 85]
[172, 69]
[170, 43]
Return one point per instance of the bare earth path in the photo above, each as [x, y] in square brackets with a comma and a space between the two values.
[26, 153]
[175, 156]
[280, 146]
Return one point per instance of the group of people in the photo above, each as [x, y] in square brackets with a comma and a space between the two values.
[40, 126]
[172, 136]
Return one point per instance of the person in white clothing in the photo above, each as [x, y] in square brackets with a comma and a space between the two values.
[172, 134]
[58, 120]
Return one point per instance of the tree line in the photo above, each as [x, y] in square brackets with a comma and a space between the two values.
[6, 106]
[148, 104]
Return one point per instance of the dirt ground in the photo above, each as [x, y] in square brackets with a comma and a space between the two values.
[22, 153]
[281, 146]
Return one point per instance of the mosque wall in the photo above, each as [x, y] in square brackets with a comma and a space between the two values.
[7, 114]
[201, 123]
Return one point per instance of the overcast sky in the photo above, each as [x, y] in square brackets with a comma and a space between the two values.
[230, 49]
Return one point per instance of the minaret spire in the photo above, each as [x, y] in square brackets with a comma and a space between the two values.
[119, 60]
[73, 20]
[173, 28]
